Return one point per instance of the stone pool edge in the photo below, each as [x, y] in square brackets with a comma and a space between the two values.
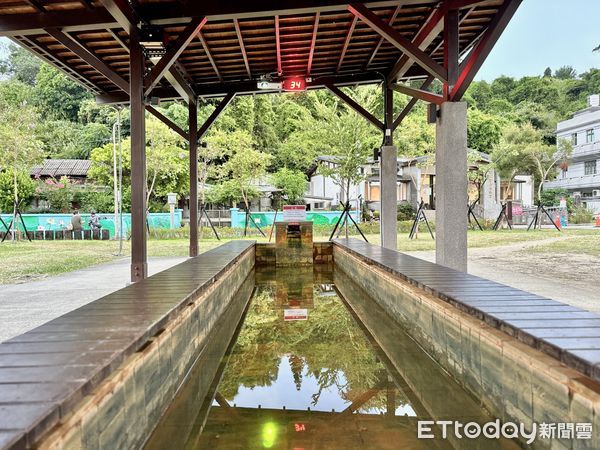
[118, 408]
[514, 380]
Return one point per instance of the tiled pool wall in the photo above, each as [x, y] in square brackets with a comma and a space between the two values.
[125, 408]
[514, 381]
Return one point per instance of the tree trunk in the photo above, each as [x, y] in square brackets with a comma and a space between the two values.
[347, 205]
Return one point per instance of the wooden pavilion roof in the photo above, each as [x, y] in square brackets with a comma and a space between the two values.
[235, 43]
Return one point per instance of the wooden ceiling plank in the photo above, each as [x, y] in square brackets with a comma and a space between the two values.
[238, 31]
[173, 52]
[70, 43]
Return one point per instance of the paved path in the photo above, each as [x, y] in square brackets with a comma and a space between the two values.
[484, 262]
[28, 305]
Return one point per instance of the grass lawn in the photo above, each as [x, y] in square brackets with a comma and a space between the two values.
[581, 245]
[23, 261]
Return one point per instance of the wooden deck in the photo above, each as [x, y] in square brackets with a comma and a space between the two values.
[565, 332]
[46, 371]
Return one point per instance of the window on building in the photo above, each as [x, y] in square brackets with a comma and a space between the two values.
[574, 138]
[590, 167]
[589, 135]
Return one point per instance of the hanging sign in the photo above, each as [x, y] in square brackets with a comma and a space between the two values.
[294, 213]
[294, 84]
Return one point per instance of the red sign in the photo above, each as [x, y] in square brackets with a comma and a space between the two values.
[299, 427]
[294, 84]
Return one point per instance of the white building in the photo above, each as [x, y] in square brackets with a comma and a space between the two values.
[581, 177]
[415, 182]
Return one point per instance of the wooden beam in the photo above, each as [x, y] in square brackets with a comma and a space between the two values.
[398, 41]
[36, 5]
[313, 42]
[175, 49]
[381, 39]
[42, 52]
[164, 12]
[218, 110]
[123, 13]
[209, 55]
[428, 32]
[193, 161]
[180, 84]
[451, 49]
[410, 105]
[346, 43]
[115, 34]
[475, 59]
[420, 94]
[278, 46]
[139, 266]
[28, 24]
[168, 122]
[355, 106]
[238, 31]
[83, 53]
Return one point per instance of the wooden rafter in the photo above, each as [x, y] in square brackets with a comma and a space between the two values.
[278, 46]
[313, 42]
[173, 52]
[427, 33]
[238, 32]
[355, 106]
[347, 40]
[209, 55]
[381, 39]
[115, 34]
[42, 52]
[398, 41]
[475, 59]
[37, 5]
[70, 43]
[420, 94]
[34, 24]
[123, 13]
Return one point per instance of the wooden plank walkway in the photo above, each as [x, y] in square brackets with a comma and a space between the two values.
[565, 332]
[46, 371]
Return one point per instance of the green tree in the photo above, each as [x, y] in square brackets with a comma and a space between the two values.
[25, 185]
[292, 184]
[565, 73]
[244, 167]
[19, 148]
[545, 157]
[483, 130]
[20, 65]
[509, 155]
[166, 161]
[57, 96]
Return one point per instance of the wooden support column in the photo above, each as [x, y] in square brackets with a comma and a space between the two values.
[139, 268]
[193, 127]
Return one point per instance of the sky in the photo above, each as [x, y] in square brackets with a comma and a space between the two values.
[546, 33]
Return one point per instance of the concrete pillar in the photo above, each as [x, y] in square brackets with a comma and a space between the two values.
[451, 186]
[389, 204]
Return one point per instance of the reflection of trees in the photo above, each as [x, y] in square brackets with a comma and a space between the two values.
[329, 345]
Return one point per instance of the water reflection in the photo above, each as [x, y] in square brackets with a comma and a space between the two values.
[322, 381]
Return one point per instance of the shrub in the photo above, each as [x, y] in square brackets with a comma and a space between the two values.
[581, 214]
[406, 211]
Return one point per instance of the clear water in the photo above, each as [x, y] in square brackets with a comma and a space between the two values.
[305, 372]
